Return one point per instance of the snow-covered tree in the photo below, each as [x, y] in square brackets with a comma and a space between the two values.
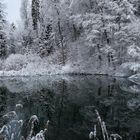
[47, 40]
[82, 32]
[25, 13]
[11, 39]
[3, 36]
[35, 14]
[57, 13]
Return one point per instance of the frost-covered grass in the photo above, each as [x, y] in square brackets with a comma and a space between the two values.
[12, 130]
[105, 134]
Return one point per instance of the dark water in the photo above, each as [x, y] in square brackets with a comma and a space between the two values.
[70, 102]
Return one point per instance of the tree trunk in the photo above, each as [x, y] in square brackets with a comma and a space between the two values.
[61, 40]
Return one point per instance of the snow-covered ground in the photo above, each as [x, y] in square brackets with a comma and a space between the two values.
[30, 65]
[34, 65]
[128, 69]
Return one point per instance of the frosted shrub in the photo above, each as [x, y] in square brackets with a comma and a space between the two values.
[13, 128]
[33, 58]
[28, 65]
[15, 62]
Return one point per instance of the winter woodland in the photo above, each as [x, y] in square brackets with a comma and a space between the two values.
[71, 36]
[51, 64]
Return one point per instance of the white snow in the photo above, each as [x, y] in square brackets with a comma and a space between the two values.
[135, 78]
[30, 65]
[134, 51]
[128, 69]
[34, 65]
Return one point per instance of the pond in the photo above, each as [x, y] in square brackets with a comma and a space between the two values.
[69, 103]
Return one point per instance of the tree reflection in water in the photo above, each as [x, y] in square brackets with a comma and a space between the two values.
[70, 102]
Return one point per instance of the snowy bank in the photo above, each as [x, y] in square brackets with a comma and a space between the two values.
[33, 65]
[128, 69]
[28, 65]
[135, 78]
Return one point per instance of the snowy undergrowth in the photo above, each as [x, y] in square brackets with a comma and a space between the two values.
[34, 65]
[29, 65]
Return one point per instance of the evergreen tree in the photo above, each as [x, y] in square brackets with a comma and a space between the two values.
[35, 13]
[46, 41]
[12, 40]
[3, 37]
